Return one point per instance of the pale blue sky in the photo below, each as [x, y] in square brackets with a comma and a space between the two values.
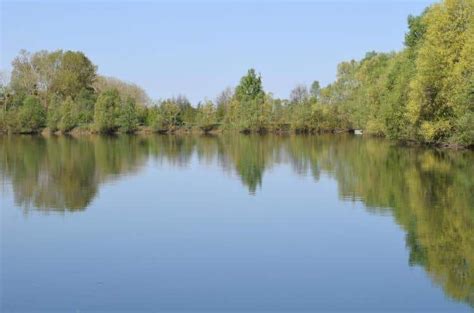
[199, 48]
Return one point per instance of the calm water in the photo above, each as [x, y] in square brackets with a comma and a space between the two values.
[234, 223]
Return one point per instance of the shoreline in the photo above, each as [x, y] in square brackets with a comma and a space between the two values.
[143, 131]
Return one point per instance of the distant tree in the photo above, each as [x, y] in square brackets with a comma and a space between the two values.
[154, 118]
[69, 115]
[44, 73]
[206, 116]
[24, 77]
[5, 91]
[249, 110]
[105, 113]
[223, 101]
[187, 113]
[75, 73]
[84, 104]
[125, 89]
[128, 119]
[416, 30]
[32, 116]
[299, 95]
[54, 113]
[170, 115]
[315, 90]
[250, 87]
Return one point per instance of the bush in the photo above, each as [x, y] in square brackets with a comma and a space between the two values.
[142, 114]
[128, 119]
[54, 115]
[170, 115]
[69, 116]
[31, 115]
[206, 116]
[105, 111]
[154, 119]
[375, 127]
[465, 130]
[3, 121]
[84, 104]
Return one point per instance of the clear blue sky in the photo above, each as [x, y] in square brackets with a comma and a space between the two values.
[199, 48]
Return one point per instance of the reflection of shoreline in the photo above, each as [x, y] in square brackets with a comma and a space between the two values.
[61, 173]
[429, 192]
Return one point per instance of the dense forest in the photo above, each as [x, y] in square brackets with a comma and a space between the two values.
[424, 93]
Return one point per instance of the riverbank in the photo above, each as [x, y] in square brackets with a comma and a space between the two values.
[85, 131]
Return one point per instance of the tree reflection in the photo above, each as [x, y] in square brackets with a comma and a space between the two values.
[430, 193]
[61, 173]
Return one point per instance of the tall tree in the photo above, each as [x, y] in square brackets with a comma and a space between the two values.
[75, 72]
[315, 90]
[441, 64]
[250, 87]
[105, 112]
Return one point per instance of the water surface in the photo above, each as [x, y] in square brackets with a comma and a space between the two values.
[237, 223]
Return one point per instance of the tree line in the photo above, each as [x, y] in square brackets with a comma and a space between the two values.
[423, 93]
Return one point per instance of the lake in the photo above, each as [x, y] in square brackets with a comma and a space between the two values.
[234, 223]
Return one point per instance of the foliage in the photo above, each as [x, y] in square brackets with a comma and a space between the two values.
[250, 87]
[69, 116]
[105, 111]
[423, 93]
[206, 116]
[443, 67]
[31, 115]
[128, 118]
[74, 73]
[153, 118]
[44, 73]
[170, 112]
[249, 109]
[84, 103]
[126, 90]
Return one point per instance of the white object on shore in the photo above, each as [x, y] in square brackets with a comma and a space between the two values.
[357, 132]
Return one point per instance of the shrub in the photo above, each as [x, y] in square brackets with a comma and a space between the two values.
[69, 115]
[31, 115]
[465, 130]
[54, 115]
[128, 118]
[105, 111]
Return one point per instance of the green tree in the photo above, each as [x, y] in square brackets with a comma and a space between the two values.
[170, 113]
[84, 103]
[417, 30]
[250, 87]
[187, 113]
[300, 109]
[105, 111]
[32, 115]
[128, 119]
[315, 90]
[206, 116]
[249, 109]
[44, 73]
[125, 89]
[75, 73]
[154, 118]
[53, 117]
[69, 116]
[223, 101]
[433, 107]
